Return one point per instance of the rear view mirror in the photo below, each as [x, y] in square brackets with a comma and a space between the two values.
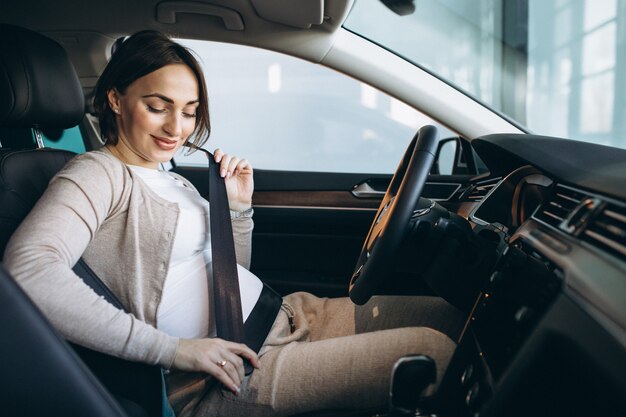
[400, 7]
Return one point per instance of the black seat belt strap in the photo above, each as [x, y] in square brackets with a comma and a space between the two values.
[226, 295]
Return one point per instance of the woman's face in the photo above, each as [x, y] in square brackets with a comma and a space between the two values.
[155, 115]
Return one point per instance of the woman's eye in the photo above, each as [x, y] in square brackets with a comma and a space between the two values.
[189, 115]
[154, 109]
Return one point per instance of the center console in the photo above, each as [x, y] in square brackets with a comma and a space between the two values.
[522, 287]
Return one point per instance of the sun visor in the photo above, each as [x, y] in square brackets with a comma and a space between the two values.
[297, 13]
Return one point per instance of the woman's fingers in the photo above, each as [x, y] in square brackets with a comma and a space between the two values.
[220, 358]
[231, 165]
[217, 155]
[207, 355]
[239, 166]
[242, 167]
[245, 352]
[224, 163]
[239, 180]
[227, 163]
[234, 367]
[224, 160]
[219, 372]
[233, 362]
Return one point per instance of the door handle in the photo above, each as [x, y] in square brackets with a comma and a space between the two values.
[364, 190]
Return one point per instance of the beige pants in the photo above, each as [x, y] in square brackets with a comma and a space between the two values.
[340, 356]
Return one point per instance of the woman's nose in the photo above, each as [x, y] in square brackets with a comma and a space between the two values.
[173, 125]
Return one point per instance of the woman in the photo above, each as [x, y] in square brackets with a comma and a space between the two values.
[145, 233]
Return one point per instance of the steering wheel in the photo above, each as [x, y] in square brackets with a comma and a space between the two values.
[391, 224]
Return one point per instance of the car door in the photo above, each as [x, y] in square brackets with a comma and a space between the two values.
[324, 147]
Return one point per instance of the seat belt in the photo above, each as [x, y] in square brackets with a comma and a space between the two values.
[226, 295]
[132, 384]
[226, 292]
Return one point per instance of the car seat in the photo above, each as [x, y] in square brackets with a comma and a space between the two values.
[42, 376]
[39, 89]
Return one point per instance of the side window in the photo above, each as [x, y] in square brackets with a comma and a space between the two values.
[283, 113]
[69, 139]
[24, 138]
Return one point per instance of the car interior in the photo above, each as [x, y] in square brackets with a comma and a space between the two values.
[524, 233]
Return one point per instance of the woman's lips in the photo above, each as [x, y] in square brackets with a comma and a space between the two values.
[165, 144]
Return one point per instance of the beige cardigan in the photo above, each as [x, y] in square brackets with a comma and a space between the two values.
[99, 209]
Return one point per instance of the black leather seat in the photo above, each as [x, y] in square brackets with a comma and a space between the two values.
[39, 88]
[41, 375]
[24, 175]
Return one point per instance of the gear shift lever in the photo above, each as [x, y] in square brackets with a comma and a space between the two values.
[410, 376]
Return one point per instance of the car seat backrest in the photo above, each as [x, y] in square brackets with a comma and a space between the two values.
[39, 89]
[41, 375]
[24, 175]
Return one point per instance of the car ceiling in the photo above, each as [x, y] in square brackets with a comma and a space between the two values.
[85, 28]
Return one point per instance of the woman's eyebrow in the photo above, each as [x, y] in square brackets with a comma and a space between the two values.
[167, 99]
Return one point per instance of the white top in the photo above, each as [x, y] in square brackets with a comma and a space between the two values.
[184, 307]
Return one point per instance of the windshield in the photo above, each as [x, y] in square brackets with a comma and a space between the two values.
[556, 67]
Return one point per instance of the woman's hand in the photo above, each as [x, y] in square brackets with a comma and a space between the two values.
[217, 357]
[239, 181]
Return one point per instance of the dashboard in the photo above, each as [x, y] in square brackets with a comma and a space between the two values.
[514, 199]
[547, 334]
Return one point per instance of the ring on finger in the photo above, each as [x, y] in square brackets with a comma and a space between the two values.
[221, 363]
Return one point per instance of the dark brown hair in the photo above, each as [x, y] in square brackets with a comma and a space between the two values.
[137, 56]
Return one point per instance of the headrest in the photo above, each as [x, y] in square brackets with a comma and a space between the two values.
[38, 84]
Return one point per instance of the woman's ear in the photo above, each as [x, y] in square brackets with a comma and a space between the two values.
[113, 97]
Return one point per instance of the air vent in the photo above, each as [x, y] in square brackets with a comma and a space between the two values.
[608, 231]
[481, 188]
[560, 206]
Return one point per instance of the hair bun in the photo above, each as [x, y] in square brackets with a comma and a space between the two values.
[116, 45]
